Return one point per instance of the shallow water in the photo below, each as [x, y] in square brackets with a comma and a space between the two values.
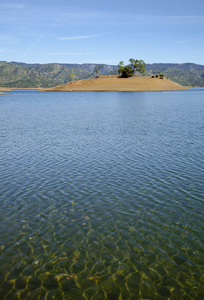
[102, 195]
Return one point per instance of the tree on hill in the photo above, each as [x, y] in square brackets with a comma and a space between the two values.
[135, 66]
[132, 62]
[97, 69]
[120, 67]
[127, 71]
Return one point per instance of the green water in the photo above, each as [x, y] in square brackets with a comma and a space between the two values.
[102, 195]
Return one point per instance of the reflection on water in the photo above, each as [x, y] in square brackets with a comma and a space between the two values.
[101, 195]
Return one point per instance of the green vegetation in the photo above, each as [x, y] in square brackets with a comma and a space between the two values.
[72, 76]
[187, 74]
[161, 76]
[21, 75]
[130, 70]
[97, 69]
[120, 67]
[137, 65]
[46, 75]
[127, 71]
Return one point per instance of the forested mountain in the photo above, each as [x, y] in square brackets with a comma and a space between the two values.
[22, 75]
[37, 75]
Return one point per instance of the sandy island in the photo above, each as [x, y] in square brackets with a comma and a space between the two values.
[115, 83]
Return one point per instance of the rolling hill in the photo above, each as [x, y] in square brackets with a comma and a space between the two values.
[22, 75]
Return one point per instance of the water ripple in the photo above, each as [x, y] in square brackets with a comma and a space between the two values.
[101, 196]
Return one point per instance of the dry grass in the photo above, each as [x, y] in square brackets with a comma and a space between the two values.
[115, 83]
[3, 89]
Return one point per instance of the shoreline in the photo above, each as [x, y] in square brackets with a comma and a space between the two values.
[4, 91]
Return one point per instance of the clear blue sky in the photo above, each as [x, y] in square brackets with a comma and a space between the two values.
[106, 32]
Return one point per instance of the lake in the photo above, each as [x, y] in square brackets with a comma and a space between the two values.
[102, 195]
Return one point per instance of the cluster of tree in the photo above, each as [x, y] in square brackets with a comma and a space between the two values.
[130, 70]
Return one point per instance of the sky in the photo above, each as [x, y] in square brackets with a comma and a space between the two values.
[103, 32]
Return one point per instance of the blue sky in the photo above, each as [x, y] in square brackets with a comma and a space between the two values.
[106, 32]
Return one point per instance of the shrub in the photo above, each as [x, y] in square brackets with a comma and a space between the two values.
[127, 71]
[161, 76]
[157, 76]
[152, 76]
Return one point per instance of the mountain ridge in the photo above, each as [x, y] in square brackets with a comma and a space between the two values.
[23, 75]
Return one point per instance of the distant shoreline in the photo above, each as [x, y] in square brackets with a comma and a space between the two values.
[3, 91]
[115, 83]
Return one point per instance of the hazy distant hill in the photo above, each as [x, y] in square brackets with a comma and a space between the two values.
[21, 75]
[187, 74]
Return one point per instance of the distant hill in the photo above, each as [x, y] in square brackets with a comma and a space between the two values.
[22, 75]
[187, 74]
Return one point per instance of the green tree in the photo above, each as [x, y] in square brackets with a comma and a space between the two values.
[120, 67]
[137, 65]
[97, 69]
[127, 71]
[132, 62]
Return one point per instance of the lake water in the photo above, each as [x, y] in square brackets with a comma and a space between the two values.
[102, 195]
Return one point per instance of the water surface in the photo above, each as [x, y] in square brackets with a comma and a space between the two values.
[101, 195]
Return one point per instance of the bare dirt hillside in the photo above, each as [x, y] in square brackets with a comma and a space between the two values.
[115, 83]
